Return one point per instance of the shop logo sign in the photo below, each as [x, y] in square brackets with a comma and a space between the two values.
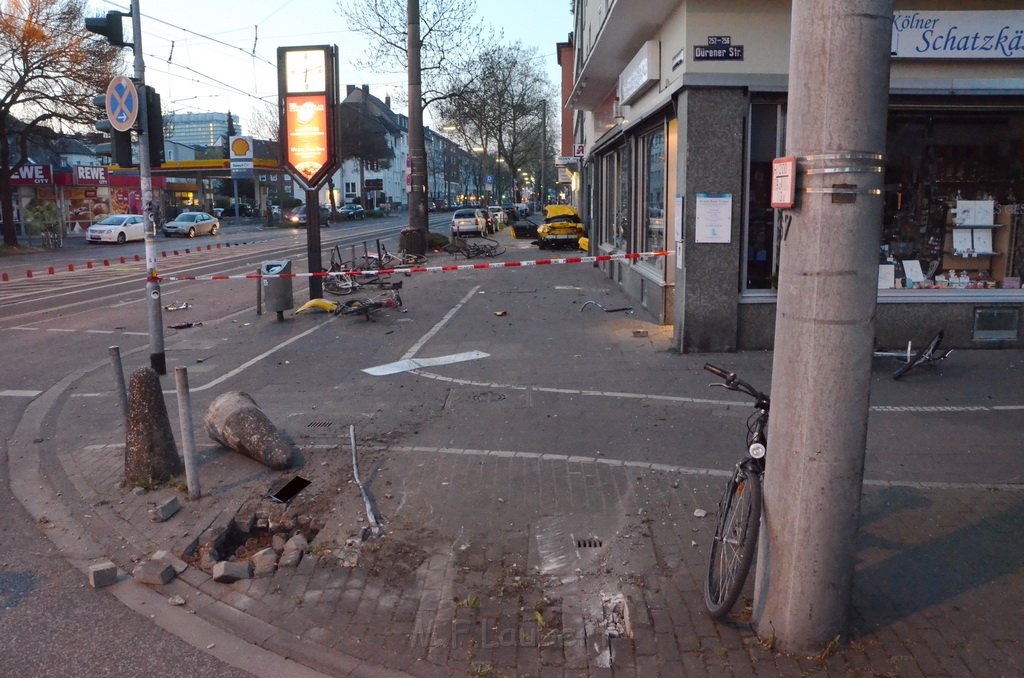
[997, 34]
[32, 175]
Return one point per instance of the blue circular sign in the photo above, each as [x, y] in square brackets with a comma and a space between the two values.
[122, 103]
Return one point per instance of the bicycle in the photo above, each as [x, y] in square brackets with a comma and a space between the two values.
[51, 238]
[386, 260]
[928, 355]
[739, 510]
[342, 279]
[472, 249]
[366, 307]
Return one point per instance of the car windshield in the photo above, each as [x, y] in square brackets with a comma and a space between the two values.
[464, 214]
[111, 221]
[188, 216]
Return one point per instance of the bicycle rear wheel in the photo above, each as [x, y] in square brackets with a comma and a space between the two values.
[339, 286]
[732, 551]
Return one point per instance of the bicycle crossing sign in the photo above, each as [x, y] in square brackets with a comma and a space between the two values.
[122, 103]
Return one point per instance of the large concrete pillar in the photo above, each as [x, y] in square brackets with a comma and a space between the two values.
[838, 94]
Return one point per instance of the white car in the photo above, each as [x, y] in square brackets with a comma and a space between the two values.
[498, 215]
[119, 228]
[468, 221]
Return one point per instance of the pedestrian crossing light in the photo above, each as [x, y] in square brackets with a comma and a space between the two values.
[109, 27]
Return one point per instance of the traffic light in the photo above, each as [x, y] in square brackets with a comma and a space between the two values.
[109, 27]
[120, 146]
[155, 127]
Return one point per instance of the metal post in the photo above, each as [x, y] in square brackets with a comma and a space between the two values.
[838, 100]
[157, 359]
[119, 384]
[316, 283]
[188, 434]
[259, 293]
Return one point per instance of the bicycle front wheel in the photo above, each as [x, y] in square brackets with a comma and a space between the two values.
[732, 551]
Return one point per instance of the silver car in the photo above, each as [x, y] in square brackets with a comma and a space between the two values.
[191, 224]
[469, 221]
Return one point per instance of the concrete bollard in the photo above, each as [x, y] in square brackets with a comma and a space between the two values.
[150, 455]
[235, 421]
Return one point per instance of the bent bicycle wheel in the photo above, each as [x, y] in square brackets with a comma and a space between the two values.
[923, 355]
[732, 551]
[338, 286]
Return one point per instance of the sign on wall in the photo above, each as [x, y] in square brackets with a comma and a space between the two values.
[924, 34]
[719, 48]
[32, 175]
[714, 217]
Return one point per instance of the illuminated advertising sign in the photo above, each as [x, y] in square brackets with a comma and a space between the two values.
[307, 134]
[307, 91]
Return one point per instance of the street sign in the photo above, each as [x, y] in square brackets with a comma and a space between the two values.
[373, 184]
[122, 103]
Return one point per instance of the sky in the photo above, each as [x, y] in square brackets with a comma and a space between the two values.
[219, 55]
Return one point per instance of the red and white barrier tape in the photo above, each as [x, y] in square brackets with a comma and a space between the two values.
[431, 269]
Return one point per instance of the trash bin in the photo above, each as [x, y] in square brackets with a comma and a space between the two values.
[277, 292]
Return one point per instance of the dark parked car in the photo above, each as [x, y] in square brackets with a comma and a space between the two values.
[352, 211]
[242, 210]
[297, 216]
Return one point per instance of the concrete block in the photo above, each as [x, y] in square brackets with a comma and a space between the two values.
[164, 510]
[102, 574]
[177, 563]
[264, 563]
[296, 543]
[153, 572]
[227, 571]
[235, 421]
[151, 456]
[290, 559]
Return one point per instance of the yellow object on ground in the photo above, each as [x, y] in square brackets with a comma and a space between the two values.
[319, 304]
[585, 244]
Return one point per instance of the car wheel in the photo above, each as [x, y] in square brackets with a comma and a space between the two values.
[214, 229]
[121, 238]
[192, 232]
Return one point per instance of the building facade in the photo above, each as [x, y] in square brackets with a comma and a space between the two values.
[681, 108]
[198, 129]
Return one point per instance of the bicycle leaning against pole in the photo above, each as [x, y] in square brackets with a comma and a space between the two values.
[739, 510]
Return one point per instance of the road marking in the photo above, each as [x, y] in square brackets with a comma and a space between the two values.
[440, 324]
[13, 393]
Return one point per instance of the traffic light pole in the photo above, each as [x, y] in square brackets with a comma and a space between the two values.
[157, 359]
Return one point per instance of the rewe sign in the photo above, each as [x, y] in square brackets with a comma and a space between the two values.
[90, 175]
[32, 175]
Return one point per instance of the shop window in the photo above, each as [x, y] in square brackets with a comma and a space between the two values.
[951, 215]
[653, 176]
[763, 233]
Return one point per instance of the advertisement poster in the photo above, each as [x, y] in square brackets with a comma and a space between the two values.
[307, 127]
[714, 217]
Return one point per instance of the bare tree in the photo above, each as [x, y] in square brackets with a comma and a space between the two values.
[450, 37]
[50, 70]
[501, 112]
[264, 122]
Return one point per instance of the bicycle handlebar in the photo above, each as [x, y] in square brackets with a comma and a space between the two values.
[734, 383]
[719, 372]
